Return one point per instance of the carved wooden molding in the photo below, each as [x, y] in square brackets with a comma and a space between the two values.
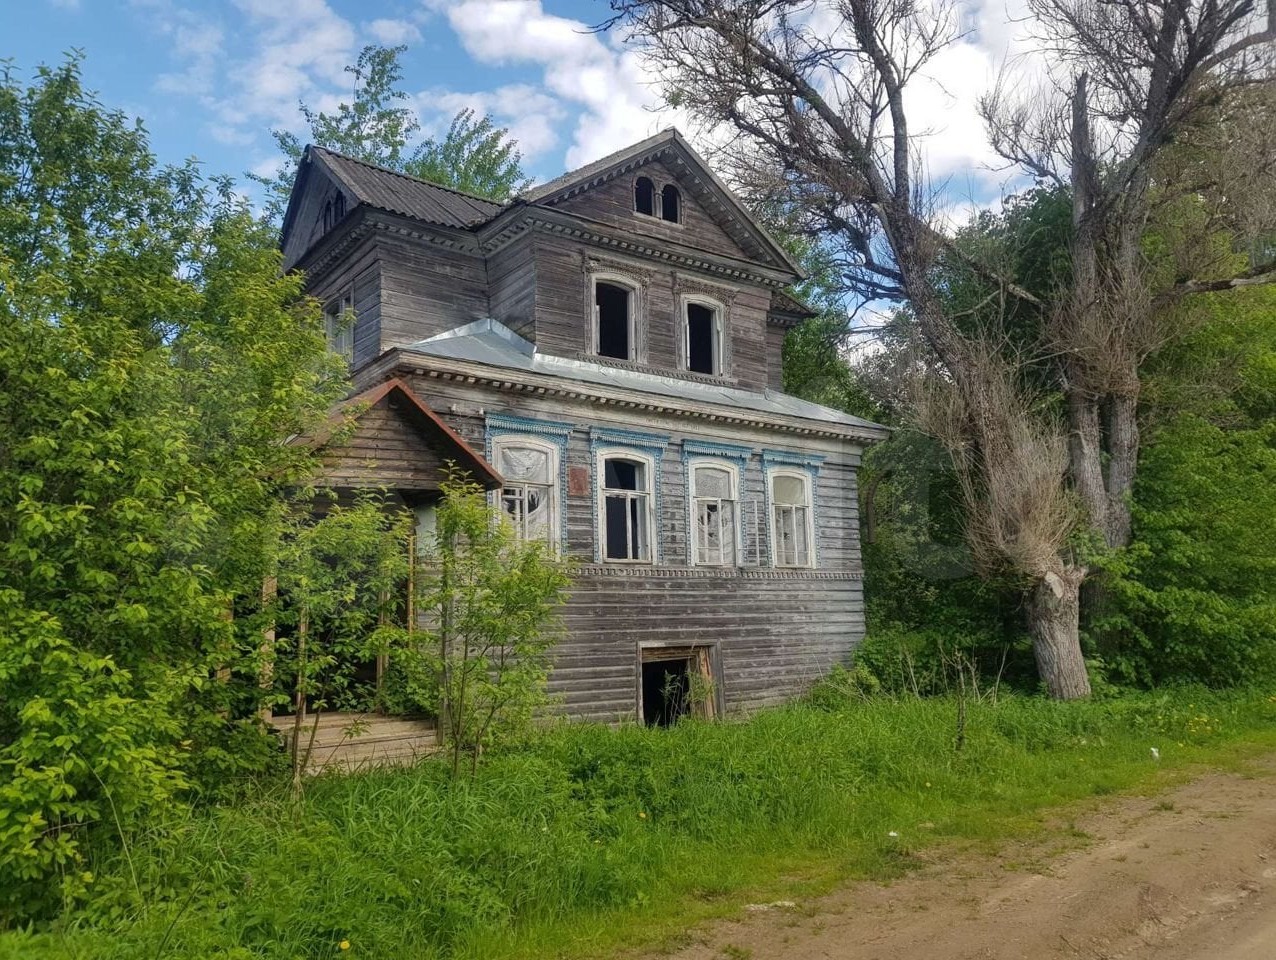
[625, 571]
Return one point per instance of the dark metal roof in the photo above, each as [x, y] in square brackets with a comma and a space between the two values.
[782, 302]
[405, 195]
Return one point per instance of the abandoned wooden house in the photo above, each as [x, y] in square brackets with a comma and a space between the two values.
[603, 352]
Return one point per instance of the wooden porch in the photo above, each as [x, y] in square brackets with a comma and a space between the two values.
[358, 741]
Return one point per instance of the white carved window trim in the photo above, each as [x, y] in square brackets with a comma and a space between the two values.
[554, 493]
[635, 304]
[338, 324]
[788, 515]
[685, 301]
[694, 501]
[648, 496]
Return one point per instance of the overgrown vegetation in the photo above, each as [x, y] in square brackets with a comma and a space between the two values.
[585, 836]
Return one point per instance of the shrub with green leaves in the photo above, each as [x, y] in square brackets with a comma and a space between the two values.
[152, 358]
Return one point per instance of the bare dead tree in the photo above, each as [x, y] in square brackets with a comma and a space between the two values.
[1160, 116]
[812, 94]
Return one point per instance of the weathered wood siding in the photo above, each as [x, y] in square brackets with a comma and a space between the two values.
[563, 312]
[361, 273]
[775, 630]
[775, 356]
[511, 277]
[612, 203]
[307, 227]
[384, 450]
[427, 289]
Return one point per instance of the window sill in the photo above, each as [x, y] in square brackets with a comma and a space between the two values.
[676, 372]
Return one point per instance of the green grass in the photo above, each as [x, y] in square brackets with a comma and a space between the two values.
[588, 839]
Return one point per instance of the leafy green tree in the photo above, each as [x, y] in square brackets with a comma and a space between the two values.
[376, 126]
[492, 600]
[152, 358]
[1194, 596]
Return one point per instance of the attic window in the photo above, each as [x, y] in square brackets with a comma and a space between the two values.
[670, 204]
[613, 320]
[333, 211]
[645, 196]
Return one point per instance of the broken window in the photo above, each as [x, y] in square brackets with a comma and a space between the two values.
[645, 196]
[338, 318]
[702, 339]
[626, 509]
[670, 204]
[714, 514]
[791, 519]
[529, 496]
[613, 320]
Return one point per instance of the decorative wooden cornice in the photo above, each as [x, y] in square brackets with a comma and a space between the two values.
[657, 572]
[549, 385]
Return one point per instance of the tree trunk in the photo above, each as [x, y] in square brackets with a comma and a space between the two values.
[1085, 456]
[1123, 457]
[1054, 608]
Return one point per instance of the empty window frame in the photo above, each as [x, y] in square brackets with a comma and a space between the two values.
[792, 531]
[333, 211]
[670, 204]
[338, 317]
[626, 521]
[529, 497]
[615, 302]
[645, 196]
[702, 336]
[714, 511]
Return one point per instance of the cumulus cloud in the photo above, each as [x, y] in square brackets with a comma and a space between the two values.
[392, 32]
[531, 115]
[619, 104]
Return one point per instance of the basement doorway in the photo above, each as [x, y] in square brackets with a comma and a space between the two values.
[677, 682]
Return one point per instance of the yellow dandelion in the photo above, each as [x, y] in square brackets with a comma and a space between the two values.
[344, 945]
[642, 815]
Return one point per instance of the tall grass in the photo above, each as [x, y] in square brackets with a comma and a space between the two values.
[588, 835]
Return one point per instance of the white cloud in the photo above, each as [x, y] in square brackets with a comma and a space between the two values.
[531, 115]
[620, 105]
[195, 41]
[392, 32]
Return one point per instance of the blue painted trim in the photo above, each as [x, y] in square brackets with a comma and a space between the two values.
[556, 432]
[628, 438]
[808, 463]
[711, 448]
[651, 444]
[706, 452]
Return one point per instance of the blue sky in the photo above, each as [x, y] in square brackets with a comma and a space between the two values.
[210, 78]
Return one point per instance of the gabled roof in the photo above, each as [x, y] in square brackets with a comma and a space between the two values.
[790, 310]
[420, 415]
[696, 177]
[491, 343]
[409, 196]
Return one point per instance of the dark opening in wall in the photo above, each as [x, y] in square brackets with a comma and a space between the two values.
[701, 333]
[666, 691]
[613, 304]
[670, 204]
[645, 196]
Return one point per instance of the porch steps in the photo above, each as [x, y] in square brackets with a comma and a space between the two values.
[354, 741]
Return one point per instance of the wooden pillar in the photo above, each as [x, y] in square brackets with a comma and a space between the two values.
[269, 590]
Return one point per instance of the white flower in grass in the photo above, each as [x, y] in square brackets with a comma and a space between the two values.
[1156, 754]
[893, 833]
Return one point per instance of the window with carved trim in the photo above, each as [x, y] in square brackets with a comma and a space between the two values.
[791, 522]
[530, 494]
[702, 337]
[670, 204]
[615, 303]
[627, 515]
[645, 196]
[714, 498]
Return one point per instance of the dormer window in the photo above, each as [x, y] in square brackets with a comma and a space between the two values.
[702, 337]
[645, 196]
[614, 307]
[670, 204]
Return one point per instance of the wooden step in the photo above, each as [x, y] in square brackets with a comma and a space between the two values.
[354, 741]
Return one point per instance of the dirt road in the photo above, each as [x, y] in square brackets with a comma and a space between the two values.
[1187, 875]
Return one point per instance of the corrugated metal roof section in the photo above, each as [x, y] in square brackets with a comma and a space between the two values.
[410, 196]
[493, 344]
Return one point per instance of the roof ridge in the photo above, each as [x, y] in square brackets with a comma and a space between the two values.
[407, 176]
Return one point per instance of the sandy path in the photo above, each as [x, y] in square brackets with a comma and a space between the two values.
[1188, 875]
